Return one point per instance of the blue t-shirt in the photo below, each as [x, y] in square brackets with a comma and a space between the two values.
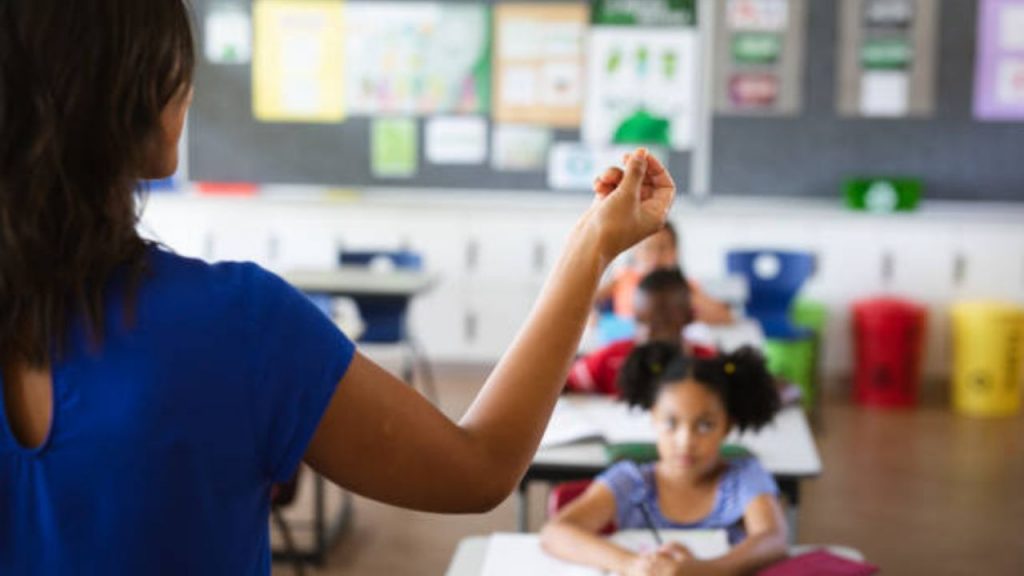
[743, 480]
[165, 443]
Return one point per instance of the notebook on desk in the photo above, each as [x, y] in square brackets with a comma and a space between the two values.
[600, 419]
[522, 555]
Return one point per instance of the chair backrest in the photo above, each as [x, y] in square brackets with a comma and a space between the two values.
[383, 317]
[400, 259]
[774, 278]
[564, 493]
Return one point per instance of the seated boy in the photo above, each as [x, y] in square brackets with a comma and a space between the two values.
[663, 308]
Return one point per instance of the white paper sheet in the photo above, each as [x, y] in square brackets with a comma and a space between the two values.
[456, 140]
[1011, 27]
[228, 35]
[519, 147]
[885, 94]
[522, 555]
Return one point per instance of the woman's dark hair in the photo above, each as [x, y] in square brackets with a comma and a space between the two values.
[740, 379]
[82, 89]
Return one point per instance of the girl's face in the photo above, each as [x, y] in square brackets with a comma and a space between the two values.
[164, 161]
[658, 251]
[692, 424]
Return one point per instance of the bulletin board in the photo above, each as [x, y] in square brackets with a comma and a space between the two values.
[236, 137]
[955, 154]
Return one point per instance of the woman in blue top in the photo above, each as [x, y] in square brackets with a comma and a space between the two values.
[150, 401]
[695, 403]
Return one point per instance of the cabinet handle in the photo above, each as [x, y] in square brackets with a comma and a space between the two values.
[540, 257]
[959, 270]
[470, 327]
[472, 255]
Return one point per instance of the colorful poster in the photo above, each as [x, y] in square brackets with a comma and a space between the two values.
[538, 63]
[456, 140]
[641, 86]
[759, 56]
[394, 147]
[298, 58]
[418, 58]
[520, 147]
[999, 81]
[227, 35]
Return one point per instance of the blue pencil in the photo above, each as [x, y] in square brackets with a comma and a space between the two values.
[650, 521]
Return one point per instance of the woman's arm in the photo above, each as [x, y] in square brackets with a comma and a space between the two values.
[573, 536]
[381, 439]
[765, 542]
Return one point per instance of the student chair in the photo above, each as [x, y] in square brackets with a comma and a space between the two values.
[385, 318]
[774, 278]
[562, 494]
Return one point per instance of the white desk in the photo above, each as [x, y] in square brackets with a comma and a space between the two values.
[785, 448]
[523, 553]
[361, 281]
[471, 553]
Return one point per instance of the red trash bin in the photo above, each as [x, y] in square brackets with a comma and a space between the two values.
[889, 349]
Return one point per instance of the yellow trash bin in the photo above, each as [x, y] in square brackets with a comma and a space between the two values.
[988, 345]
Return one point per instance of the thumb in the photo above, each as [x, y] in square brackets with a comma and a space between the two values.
[636, 171]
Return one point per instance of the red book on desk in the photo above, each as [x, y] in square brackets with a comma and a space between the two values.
[819, 563]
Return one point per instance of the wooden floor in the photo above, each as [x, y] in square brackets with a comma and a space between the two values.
[918, 492]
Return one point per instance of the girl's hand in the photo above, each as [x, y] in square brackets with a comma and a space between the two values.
[677, 552]
[630, 204]
[653, 564]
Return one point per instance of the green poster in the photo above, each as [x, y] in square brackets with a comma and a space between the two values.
[394, 147]
[645, 12]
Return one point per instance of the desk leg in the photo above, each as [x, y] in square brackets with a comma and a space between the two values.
[790, 488]
[522, 507]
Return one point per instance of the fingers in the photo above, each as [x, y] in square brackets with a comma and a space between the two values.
[658, 174]
[636, 171]
[676, 551]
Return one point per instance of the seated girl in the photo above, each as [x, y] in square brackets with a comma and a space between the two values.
[695, 403]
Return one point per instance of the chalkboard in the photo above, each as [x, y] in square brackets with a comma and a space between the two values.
[810, 155]
[227, 144]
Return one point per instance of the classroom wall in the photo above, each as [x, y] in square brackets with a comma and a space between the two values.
[492, 254]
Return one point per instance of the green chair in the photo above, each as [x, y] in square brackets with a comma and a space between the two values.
[797, 360]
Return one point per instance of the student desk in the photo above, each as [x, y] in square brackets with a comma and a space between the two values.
[471, 554]
[350, 282]
[785, 448]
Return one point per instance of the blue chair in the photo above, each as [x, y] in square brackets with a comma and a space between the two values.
[385, 317]
[775, 278]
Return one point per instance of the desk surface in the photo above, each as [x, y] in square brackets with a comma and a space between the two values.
[523, 554]
[360, 281]
[785, 448]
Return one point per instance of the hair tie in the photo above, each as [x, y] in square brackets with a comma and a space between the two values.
[729, 368]
[656, 368]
